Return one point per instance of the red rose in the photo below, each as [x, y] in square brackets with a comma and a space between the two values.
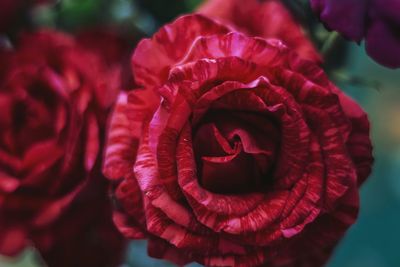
[235, 152]
[55, 97]
[266, 18]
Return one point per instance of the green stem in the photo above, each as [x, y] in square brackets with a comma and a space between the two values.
[329, 43]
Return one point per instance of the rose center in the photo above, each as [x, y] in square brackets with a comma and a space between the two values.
[32, 113]
[235, 151]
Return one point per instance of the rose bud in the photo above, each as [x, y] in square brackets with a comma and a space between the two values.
[235, 151]
[55, 98]
[376, 22]
[267, 19]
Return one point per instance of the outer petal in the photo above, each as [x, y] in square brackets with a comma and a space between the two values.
[154, 57]
[359, 143]
[121, 145]
[267, 19]
[319, 238]
[131, 111]
[13, 240]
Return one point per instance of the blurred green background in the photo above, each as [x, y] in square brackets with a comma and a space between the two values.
[373, 240]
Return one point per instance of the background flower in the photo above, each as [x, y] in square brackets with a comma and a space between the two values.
[294, 147]
[55, 97]
[377, 22]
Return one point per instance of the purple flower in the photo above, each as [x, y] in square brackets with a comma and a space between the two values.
[375, 21]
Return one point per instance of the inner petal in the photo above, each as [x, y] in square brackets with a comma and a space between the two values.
[235, 151]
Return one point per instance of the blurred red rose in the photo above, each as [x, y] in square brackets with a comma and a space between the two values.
[267, 19]
[236, 152]
[55, 97]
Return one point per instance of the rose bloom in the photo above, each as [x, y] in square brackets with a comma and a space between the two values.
[376, 21]
[235, 151]
[55, 97]
[267, 19]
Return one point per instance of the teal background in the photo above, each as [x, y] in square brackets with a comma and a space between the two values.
[373, 240]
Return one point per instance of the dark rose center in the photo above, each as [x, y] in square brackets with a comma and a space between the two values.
[235, 151]
[32, 112]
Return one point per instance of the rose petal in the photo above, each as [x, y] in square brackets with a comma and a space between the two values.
[8, 183]
[382, 43]
[12, 241]
[92, 143]
[153, 58]
[266, 20]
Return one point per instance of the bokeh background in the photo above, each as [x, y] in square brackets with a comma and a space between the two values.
[373, 240]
